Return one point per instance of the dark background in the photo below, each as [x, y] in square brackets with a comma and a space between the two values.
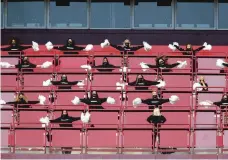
[154, 37]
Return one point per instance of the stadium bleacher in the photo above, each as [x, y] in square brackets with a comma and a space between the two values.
[190, 127]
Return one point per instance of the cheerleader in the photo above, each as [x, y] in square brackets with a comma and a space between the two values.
[71, 48]
[65, 121]
[63, 83]
[93, 101]
[155, 101]
[126, 48]
[15, 47]
[106, 66]
[189, 49]
[21, 101]
[203, 86]
[163, 65]
[140, 83]
[223, 103]
[25, 65]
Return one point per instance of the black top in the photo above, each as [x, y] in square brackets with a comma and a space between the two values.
[106, 67]
[64, 84]
[142, 83]
[188, 52]
[163, 66]
[65, 119]
[96, 102]
[26, 67]
[156, 119]
[15, 49]
[223, 104]
[22, 103]
[72, 48]
[225, 64]
[153, 103]
[127, 50]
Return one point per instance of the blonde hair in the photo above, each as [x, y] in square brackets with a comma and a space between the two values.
[23, 97]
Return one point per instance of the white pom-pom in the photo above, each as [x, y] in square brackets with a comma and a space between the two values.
[111, 100]
[206, 103]
[136, 102]
[86, 67]
[80, 84]
[147, 47]
[46, 64]
[207, 46]
[161, 84]
[89, 47]
[219, 63]
[2, 101]
[44, 120]
[182, 64]
[49, 45]
[197, 85]
[173, 48]
[42, 99]
[5, 65]
[35, 46]
[173, 99]
[47, 82]
[105, 44]
[76, 100]
[175, 44]
[85, 118]
[144, 66]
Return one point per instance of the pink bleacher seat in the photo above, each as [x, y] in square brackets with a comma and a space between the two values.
[107, 120]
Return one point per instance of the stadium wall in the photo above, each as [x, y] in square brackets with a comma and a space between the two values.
[154, 37]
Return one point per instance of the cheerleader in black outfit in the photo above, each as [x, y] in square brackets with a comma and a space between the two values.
[155, 101]
[126, 48]
[162, 65]
[15, 47]
[106, 66]
[66, 121]
[223, 103]
[93, 101]
[141, 83]
[24, 65]
[189, 51]
[63, 83]
[21, 101]
[71, 48]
